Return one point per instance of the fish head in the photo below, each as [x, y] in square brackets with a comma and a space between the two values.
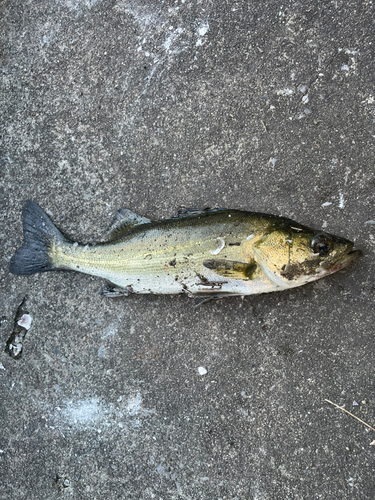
[294, 255]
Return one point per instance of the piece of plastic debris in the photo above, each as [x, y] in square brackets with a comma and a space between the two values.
[202, 371]
[2, 367]
[22, 323]
[327, 204]
[25, 321]
[355, 403]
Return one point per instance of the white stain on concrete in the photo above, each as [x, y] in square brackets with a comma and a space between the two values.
[171, 40]
[134, 405]
[78, 5]
[93, 413]
[82, 413]
[111, 331]
[201, 32]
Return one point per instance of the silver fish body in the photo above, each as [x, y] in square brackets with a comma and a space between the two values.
[211, 252]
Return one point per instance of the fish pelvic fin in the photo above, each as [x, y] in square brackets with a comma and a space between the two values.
[40, 234]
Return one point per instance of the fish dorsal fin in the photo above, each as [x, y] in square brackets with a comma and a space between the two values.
[125, 220]
[187, 212]
[232, 269]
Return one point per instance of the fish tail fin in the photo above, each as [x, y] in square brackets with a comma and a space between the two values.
[39, 235]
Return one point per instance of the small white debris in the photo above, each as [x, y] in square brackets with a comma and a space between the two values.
[202, 371]
[2, 367]
[251, 236]
[219, 248]
[302, 89]
[324, 225]
[273, 161]
[355, 403]
[305, 99]
[327, 204]
[369, 100]
[25, 321]
[284, 92]
[370, 222]
[341, 202]
[201, 32]
[345, 67]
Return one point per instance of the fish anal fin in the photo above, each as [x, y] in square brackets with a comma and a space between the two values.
[125, 220]
[111, 290]
[232, 269]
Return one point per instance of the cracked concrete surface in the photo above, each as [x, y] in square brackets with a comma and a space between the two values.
[265, 106]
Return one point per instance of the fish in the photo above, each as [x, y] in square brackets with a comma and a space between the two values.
[202, 253]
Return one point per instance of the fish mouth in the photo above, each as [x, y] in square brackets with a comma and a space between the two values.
[344, 260]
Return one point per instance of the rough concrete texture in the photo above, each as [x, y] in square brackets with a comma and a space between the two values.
[265, 106]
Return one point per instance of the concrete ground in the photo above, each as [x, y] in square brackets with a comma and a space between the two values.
[264, 106]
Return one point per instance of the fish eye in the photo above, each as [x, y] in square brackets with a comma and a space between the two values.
[322, 244]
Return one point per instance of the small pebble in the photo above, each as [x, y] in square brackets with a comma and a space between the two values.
[202, 371]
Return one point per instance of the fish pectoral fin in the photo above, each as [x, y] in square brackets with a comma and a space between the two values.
[232, 269]
[187, 212]
[125, 220]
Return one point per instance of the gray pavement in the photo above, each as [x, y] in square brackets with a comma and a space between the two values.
[265, 106]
